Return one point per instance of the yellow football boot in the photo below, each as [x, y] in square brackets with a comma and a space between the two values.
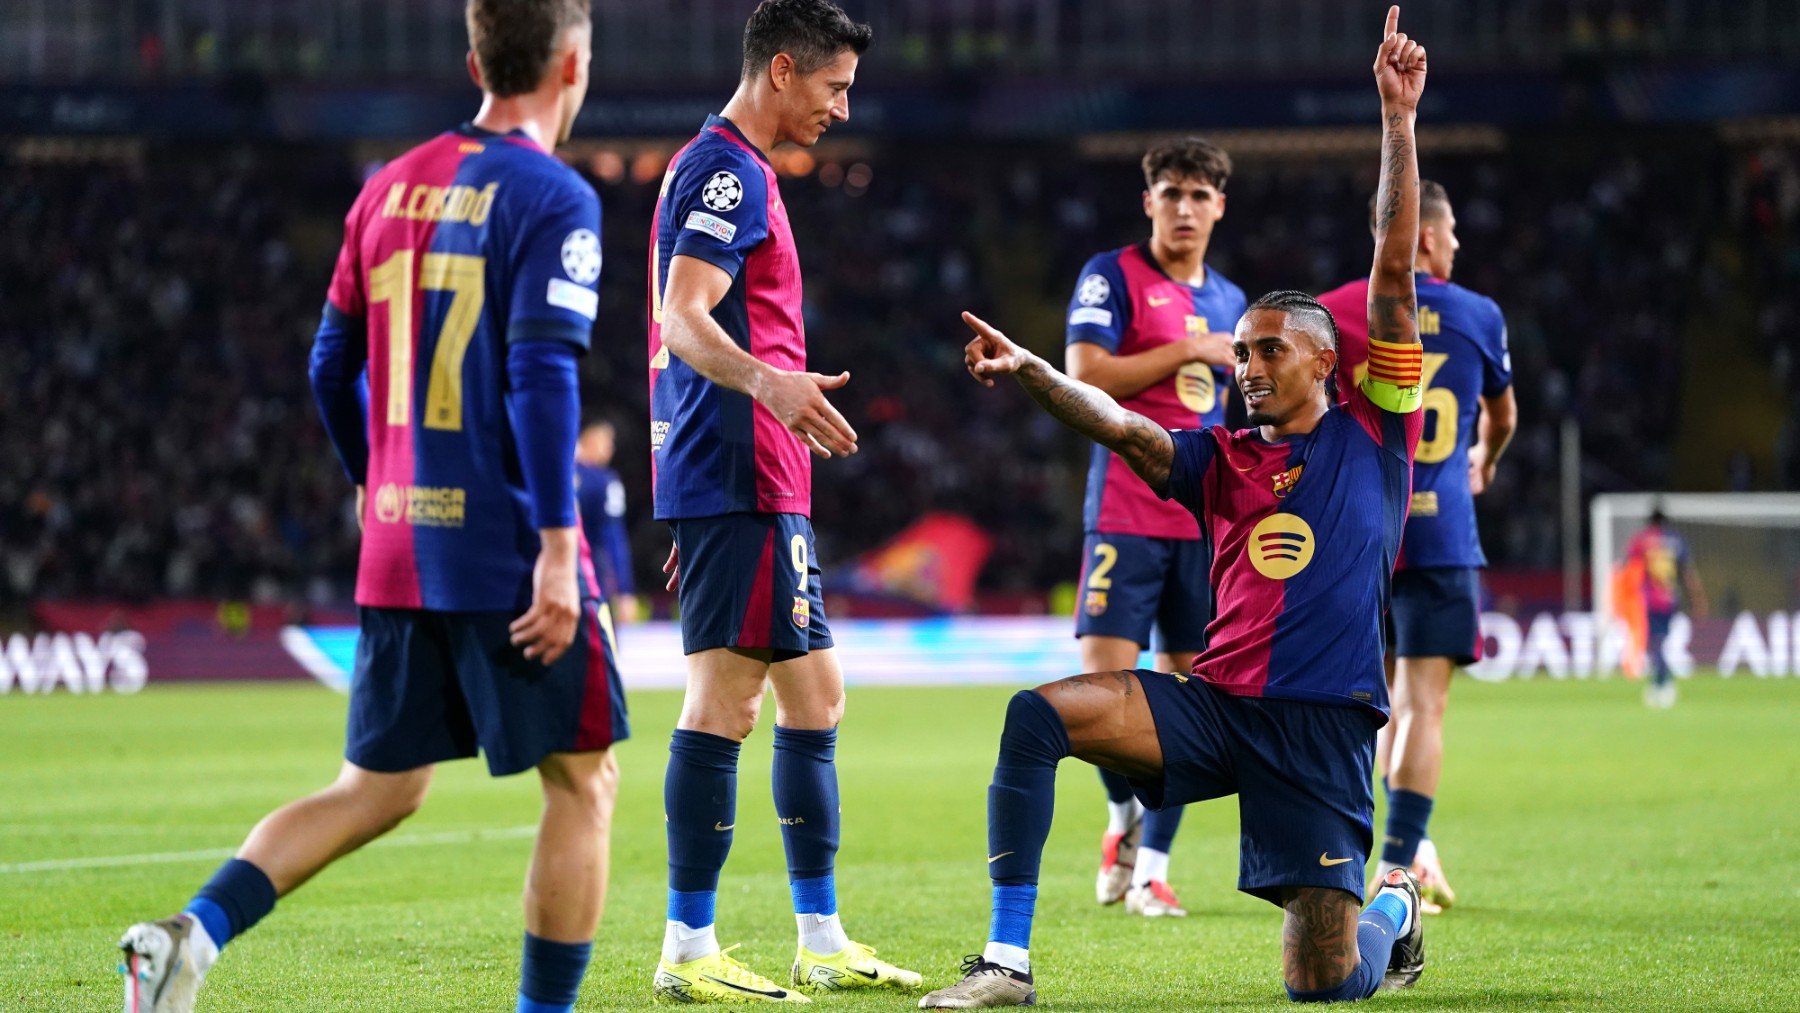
[719, 979]
[853, 967]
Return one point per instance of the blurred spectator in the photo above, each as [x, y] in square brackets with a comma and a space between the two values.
[157, 437]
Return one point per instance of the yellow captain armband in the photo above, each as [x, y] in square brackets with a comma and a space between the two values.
[1396, 378]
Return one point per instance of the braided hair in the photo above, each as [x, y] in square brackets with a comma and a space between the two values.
[1311, 312]
[1313, 317]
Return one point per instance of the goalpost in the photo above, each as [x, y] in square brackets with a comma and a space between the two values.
[1745, 545]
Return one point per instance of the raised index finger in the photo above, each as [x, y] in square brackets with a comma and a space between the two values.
[979, 326]
[1393, 21]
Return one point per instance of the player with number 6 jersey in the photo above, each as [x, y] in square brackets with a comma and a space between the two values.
[1434, 619]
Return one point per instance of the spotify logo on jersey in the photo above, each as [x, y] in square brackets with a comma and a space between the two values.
[1195, 387]
[1280, 546]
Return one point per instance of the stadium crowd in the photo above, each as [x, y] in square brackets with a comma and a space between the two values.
[158, 437]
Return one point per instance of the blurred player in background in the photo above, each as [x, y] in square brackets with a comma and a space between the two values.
[733, 414]
[466, 287]
[600, 499]
[1305, 511]
[1142, 329]
[1435, 614]
[1661, 555]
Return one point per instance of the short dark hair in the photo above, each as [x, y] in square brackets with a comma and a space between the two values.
[1187, 158]
[514, 40]
[1311, 313]
[1434, 203]
[813, 32]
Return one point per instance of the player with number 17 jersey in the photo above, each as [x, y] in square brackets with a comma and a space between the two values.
[467, 276]
[455, 254]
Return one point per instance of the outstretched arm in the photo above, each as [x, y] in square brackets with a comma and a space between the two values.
[1400, 77]
[1144, 445]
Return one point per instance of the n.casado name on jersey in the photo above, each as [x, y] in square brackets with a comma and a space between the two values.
[422, 202]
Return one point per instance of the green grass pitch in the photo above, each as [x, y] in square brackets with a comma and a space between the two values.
[1606, 856]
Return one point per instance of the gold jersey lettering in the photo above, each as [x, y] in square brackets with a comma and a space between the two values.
[423, 202]
[435, 507]
[391, 207]
[415, 204]
[484, 202]
[1430, 320]
[1424, 504]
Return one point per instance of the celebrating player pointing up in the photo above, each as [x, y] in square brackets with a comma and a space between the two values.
[1304, 512]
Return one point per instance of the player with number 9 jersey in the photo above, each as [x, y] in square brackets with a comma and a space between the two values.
[734, 483]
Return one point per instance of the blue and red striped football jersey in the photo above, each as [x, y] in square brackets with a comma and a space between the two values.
[1465, 359]
[714, 450]
[1126, 303]
[464, 244]
[1305, 531]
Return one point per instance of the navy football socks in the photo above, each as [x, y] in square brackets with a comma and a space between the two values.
[1407, 817]
[806, 802]
[1376, 932]
[1160, 826]
[238, 896]
[700, 803]
[1021, 802]
[1118, 790]
[550, 975]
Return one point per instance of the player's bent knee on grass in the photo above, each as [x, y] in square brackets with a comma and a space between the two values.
[1318, 938]
[1108, 721]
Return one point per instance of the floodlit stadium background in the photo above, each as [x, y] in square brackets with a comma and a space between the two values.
[177, 544]
[173, 175]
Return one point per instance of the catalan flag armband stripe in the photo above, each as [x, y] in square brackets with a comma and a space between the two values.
[1396, 376]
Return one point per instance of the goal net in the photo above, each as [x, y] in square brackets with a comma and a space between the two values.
[1745, 547]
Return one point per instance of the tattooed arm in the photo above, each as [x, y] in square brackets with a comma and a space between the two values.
[1400, 77]
[1143, 444]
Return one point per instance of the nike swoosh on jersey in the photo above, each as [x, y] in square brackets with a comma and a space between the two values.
[776, 994]
[1164, 301]
[1329, 862]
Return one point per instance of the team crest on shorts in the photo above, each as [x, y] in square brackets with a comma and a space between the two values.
[1095, 604]
[802, 611]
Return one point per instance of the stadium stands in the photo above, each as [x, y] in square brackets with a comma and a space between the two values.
[161, 440]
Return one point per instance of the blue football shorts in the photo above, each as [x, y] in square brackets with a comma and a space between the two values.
[433, 686]
[1152, 591]
[1302, 773]
[1436, 613]
[750, 581]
